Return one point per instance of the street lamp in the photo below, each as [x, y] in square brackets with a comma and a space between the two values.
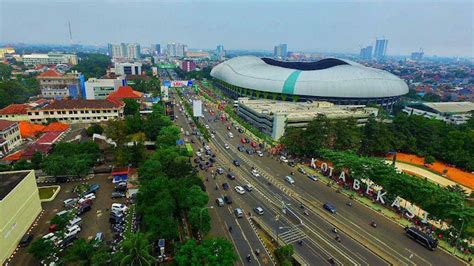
[200, 213]
[459, 235]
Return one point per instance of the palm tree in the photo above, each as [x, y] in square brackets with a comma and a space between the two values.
[136, 250]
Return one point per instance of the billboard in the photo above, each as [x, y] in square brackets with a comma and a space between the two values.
[181, 83]
[197, 108]
[164, 93]
[154, 71]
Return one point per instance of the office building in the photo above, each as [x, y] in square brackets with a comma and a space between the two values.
[274, 117]
[157, 49]
[188, 65]
[49, 59]
[6, 51]
[127, 68]
[19, 207]
[9, 136]
[380, 48]
[449, 112]
[366, 53]
[56, 85]
[15, 112]
[220, 52]
[280, 52]
[99, 89]
[417, 56]
[341, 82]
[124, 50]
[176, 49]
[77, 111]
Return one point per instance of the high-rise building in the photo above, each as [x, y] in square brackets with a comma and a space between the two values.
[157, 49]
[280, 51]
[176, 49]
[220, 52]
[380, 48]
[188, 65]
[417, 56]
[366, 53]
[124, 50]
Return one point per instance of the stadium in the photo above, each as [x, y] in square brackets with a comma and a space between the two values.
[339, 81]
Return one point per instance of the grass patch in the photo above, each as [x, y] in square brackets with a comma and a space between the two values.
[46, 192]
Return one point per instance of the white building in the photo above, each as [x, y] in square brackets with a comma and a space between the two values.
[273, 117]
[124, 50]
[49, 59]
[77, 111]
[449, 112]
[127, 68]
[10, 136]
[99, 89]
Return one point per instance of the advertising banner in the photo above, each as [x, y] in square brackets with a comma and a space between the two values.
[197, 108]
[164, 93]
[181, 83]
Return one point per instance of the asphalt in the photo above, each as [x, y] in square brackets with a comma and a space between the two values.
[360, 242]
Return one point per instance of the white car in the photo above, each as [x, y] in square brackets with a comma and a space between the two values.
[283, 159]
[240, 190]
[259, 210]
[207, 126]
[226, 146]
[289, 179]
[73, 230]
[119, 207]
[255, 173]
[260, 153]
[212, 136]
[198, 154]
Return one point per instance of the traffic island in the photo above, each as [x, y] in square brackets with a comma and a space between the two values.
[48, 193]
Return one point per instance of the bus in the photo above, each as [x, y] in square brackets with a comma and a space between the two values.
[189, 149]
[422, 238]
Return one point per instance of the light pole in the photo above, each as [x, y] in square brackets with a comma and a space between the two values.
[200, 214]
[459, 235]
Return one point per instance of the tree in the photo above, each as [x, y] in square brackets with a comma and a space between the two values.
[81, 252]
[55, 165]
[41, 248]
[167, 136]
[284, 255]
[5, 71]
[37, 160]
[136, 250]
[213, 252]
[22, 164]
[429, 159]
[376, 140]
[94, 129]
[199, 219]
[92, 65]
[132, 107]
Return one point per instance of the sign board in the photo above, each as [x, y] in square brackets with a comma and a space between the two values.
[165, 93]
[181, 83]
[197, 108]
[154, 71]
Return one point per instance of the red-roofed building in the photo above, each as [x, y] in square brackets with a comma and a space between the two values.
[9, 136]
[56, 85]
[15, 112]
[77, 111]
[125, 92]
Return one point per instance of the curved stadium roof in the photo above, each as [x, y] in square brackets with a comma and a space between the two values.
[329, 77]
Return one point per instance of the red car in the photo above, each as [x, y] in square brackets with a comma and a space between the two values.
[253, 144]
[228, 127]
[243, 140]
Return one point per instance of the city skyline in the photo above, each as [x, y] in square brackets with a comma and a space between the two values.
[309, 27]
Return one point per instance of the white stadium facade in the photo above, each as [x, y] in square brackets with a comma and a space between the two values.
[339, 81]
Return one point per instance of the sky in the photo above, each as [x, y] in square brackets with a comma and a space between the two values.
[443, 28]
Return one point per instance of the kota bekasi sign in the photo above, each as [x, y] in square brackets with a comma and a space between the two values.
[412, 210]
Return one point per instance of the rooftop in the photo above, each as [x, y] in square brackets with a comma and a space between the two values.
[14, 109]
[125, 92]
[305, 110]
[81, 104]
[4, 124]
[50, 73]
[9, 180]
[451, 107]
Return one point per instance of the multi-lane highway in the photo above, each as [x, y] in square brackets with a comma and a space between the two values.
[360, 243]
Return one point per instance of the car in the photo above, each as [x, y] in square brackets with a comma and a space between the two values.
[259, 210]
[243, 140]
[213, 159]
[289, 179]
[83, 209]
[198, 154]
[253, 144]
[241, 130]
[255, 173]
[225, 186]
[230, 135]
[241, 148]
[117, 214]
[226, 146]
[231, 176]
[228, 199]
[260, 153]
[228, 127]
[239, 190]
[66, 241]
[236, 162]
[26, 240]
[301, 170]
[90, 196]
[99, 237]
[93, 188]
[121, 186]
[206, 126]
[197, 160]
[208, 152]
[312, 177]
[329, 207]
[220, 170]
[120, 207]
[238, 213]
[283, 159]
[220, 202]
[84, 201]
[75, 221]
[291, 163]
[115, 220]
[249, 151]
[70, 203]
[117, 195]
[207, 148]
[73, 230]
[248, 187]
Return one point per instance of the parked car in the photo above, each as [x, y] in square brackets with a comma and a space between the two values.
[243, 140]
[231, 176]
[260, 153]
[259, 210]
[236, 162]
[291, 163]
[219, 170]
[249, 151]
[76, 221]
[239, 190]
[119, 207]
[241, 130]
[225, 186]
[248, 187]
[83, 209]
[121, 186]
[70, 203]
[93, 188]
[283, 159]
[228, 199]
[26, 240]
[289, 179]
[301, 170]
[90, 196]
[241, 148]
[226, 146]
[115, 220]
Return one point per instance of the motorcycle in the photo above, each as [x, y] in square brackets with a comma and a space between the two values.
[373, 224]
[306, 213]
[349, 204]
[249, 258]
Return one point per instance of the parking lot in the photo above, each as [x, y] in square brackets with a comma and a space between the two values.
[93, 221]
